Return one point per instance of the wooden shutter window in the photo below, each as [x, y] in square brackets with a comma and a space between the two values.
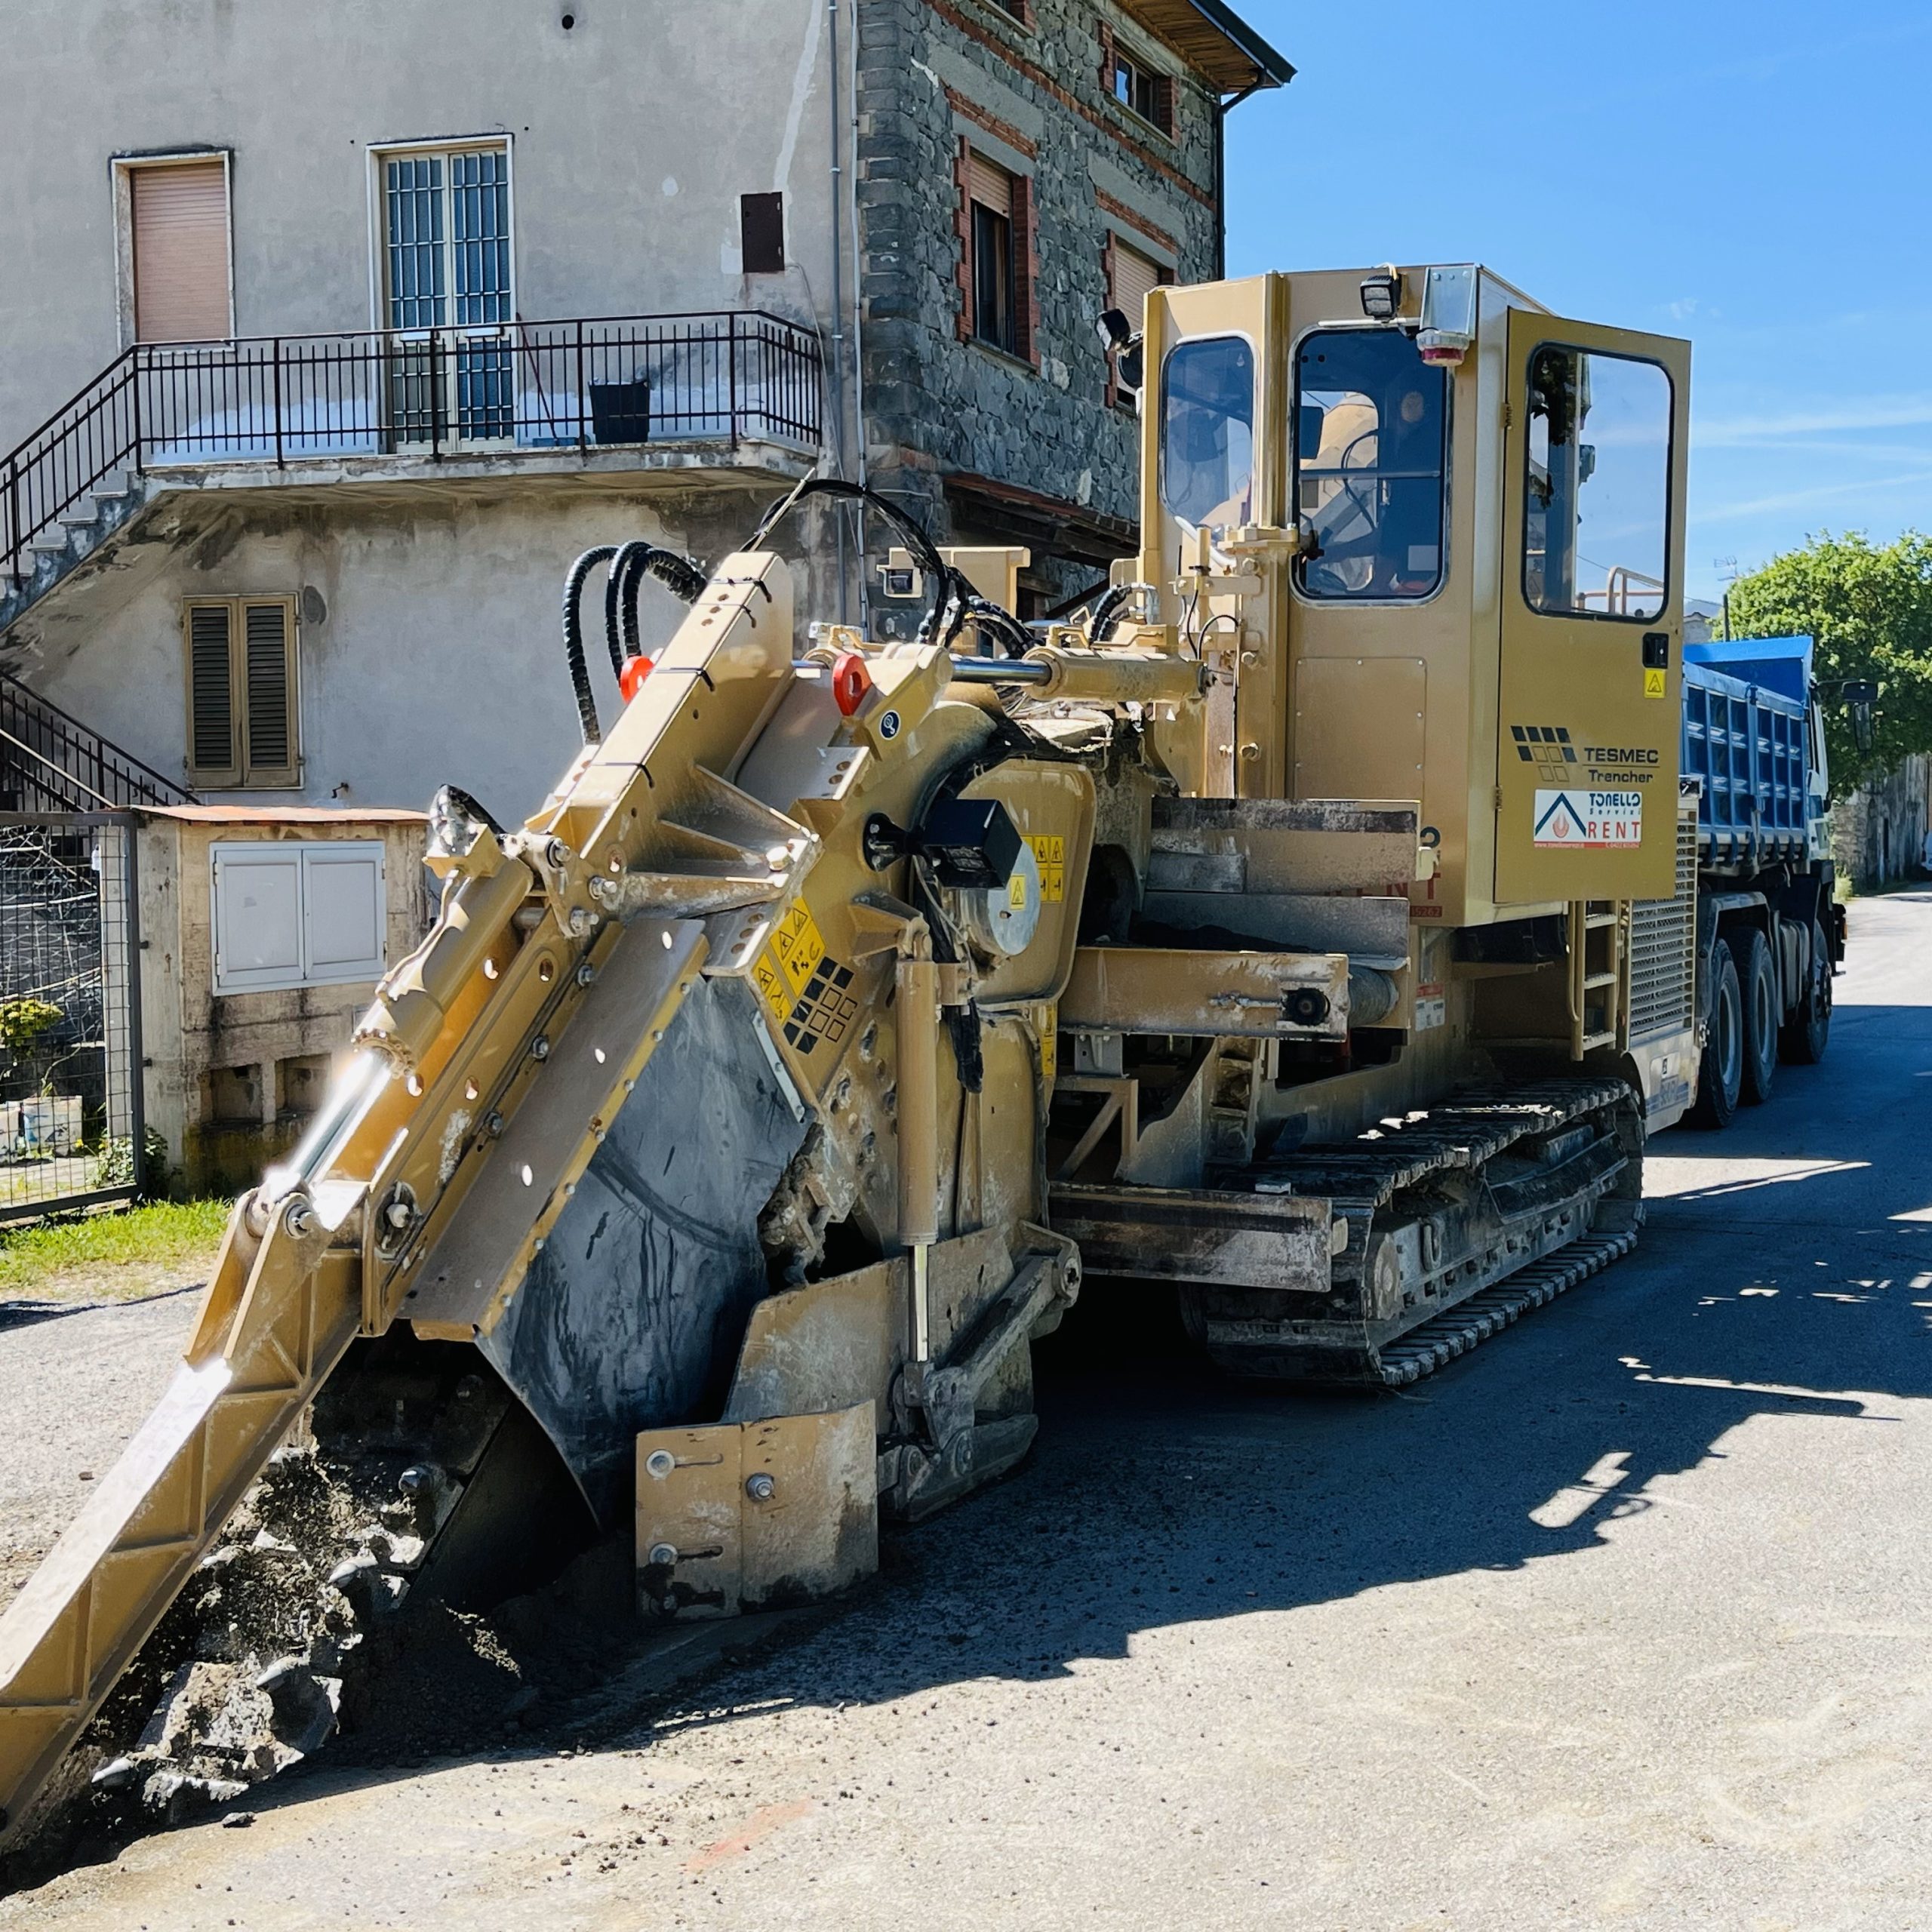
[270, 685]
[1163, 115]
[242, 693]
[212, 752]
[180, 237]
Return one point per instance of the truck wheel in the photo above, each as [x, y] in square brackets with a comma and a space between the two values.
[1802, 1041]
[1720, 1069]
[1758, 980]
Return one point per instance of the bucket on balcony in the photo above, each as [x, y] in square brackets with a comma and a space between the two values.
[620, 412]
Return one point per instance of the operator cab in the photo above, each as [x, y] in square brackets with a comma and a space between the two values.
[1429, 538]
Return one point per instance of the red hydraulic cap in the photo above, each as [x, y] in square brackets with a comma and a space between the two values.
[630, 679]
[851, 681]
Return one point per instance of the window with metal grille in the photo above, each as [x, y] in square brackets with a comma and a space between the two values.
[243, 692]
[447, 264]
[1014, 9]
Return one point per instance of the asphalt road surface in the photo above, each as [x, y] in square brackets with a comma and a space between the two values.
[1622, 1620]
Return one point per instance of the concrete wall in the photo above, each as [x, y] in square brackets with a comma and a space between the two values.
[230, 1081]
[428, 632]
[631, 135]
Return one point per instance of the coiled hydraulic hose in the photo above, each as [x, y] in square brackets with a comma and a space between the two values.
[634, 562]
[931, 565]
[1106, 611]
[587, 704]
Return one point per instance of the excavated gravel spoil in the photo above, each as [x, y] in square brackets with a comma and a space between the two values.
[295, 1632]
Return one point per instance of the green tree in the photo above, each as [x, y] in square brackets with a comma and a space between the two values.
[1868, 607]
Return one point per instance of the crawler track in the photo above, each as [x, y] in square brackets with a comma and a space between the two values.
[1435, 1344]
[1458, 1220]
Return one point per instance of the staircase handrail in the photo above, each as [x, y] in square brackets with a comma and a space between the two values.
[144, 785]
[49, 470]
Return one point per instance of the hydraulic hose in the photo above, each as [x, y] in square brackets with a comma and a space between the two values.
[1002, 623]
[620, 597]
[1106, 612]
[634, 562]
[931, 565]
[587, 704]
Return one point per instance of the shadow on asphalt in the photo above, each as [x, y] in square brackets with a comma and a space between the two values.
[1161, 1493]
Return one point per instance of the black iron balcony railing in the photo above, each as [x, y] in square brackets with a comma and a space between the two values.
[576, 385]
[50, 762]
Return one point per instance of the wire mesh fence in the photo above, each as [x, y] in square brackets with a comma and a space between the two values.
[70, 1086]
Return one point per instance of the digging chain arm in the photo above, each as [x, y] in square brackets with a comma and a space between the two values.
[457, 1042]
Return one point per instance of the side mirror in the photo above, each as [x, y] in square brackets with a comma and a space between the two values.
[1121, 342]
[1858, 695]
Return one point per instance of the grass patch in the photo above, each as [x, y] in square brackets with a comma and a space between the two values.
[113, 1257]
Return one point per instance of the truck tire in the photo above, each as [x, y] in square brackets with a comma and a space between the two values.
[1720, 1066]
[1757, 981]
[1802, 1042]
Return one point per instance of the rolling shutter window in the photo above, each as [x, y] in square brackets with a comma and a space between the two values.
[180, 232]
[989, 185]
[243, 715]
[996, 220]
[1134, 275]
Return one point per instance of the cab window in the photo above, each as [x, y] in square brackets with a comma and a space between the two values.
[1596, 499]
[1371, 437]
[1207, 433]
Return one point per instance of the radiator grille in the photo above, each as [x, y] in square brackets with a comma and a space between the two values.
[1663, 945]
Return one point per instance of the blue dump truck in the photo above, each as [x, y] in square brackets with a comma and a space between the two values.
[1769, 934]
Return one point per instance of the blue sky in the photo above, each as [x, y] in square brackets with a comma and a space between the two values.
[1758, 179]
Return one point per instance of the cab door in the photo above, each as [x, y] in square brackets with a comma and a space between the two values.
[1593, 612]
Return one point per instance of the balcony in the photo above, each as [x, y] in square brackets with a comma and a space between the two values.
[722, 396]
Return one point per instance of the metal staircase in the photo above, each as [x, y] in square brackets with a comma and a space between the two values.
[51, 762]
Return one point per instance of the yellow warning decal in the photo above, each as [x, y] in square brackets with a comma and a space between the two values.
[1653, 681]
[798, 944]
[1049, 850]
[772, 989]
[1049, 1043]
[1016, 890]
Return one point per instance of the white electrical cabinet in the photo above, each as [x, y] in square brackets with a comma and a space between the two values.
[295, 912]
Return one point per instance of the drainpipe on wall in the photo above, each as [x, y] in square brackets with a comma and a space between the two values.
[858, 329]
[838, 369]
[1222, 108]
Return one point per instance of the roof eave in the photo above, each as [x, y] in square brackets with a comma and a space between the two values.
[1230, 56]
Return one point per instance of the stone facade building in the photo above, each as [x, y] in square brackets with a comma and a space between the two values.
[1879, 829]
[1094, 132]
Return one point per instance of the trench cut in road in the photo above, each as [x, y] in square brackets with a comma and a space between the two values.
[1621, 1619]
